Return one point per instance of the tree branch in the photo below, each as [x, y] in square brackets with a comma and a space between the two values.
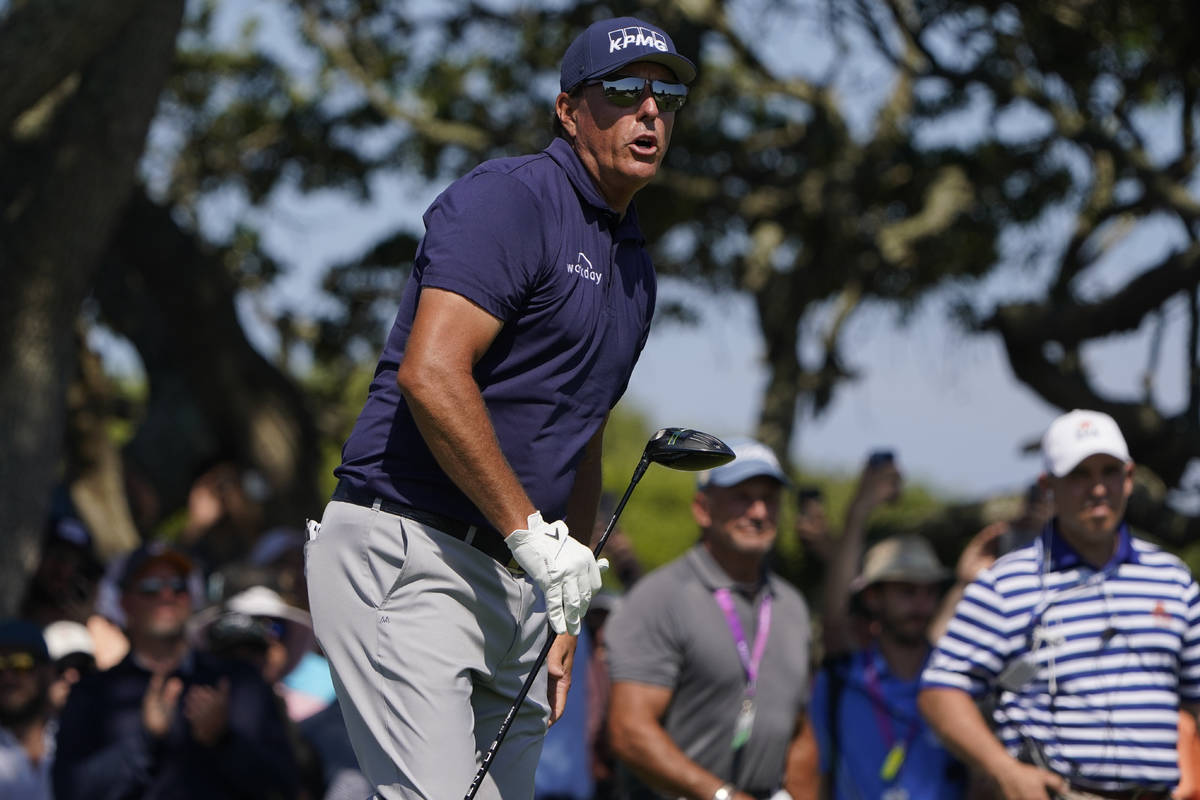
[44, 41]
[1071, 322]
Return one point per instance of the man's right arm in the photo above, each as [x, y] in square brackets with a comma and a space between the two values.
[639, 739]
[956, 720]
[449, 335]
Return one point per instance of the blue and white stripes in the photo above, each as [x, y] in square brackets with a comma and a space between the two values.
[1113, 651]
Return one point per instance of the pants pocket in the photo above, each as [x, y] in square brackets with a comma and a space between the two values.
[388, 556]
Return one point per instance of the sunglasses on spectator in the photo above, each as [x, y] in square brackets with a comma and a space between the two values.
[153, 586]
[626, 92]
[17, 662]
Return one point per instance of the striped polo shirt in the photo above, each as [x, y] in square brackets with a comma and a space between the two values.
[1110, 654]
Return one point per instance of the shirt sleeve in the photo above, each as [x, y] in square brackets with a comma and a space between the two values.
[485, 240]
[976, 645]
[643, 636]
[1189, 656]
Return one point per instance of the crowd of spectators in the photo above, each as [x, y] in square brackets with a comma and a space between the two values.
[174, 671]
[190, 670]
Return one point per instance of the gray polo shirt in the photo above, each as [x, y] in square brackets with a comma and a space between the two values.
[669, 631]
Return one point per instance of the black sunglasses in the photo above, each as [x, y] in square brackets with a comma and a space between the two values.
[626, 92]
[152, 586]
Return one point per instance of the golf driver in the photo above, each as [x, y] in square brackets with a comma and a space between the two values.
[677, 448]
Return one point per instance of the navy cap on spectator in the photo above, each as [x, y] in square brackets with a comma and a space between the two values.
[70, 531]
[21, 634]
[610, 44]
[752, 459]
[151, 553]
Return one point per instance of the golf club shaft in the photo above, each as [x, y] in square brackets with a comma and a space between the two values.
[490, 755]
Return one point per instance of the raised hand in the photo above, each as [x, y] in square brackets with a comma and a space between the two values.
[159, 704]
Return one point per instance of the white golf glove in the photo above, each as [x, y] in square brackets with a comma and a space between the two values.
[563, 567]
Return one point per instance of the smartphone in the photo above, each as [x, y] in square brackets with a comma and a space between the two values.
[879, 457]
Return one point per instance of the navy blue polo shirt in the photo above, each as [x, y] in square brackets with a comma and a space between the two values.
[531, 241]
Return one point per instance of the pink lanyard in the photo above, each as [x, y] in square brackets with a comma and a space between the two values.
[750, 662]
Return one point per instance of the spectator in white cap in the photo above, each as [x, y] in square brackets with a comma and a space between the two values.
[709, 653]
[1087, 641]
[73, 653]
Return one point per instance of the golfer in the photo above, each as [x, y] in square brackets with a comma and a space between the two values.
[447, 542]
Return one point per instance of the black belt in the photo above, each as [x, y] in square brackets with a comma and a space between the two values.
[482, 538]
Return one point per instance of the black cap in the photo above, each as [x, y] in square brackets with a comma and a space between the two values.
[25, 635]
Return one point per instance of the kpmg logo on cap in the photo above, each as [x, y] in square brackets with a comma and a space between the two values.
[636, 36]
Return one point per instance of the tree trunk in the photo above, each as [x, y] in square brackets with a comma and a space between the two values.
[59, 201]
[211, 395]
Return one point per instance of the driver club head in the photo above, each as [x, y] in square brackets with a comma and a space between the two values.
[687, 449]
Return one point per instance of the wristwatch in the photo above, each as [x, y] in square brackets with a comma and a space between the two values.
[724, 793]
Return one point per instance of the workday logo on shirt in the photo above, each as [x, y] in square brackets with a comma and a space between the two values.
[583, 268]
[636, 36]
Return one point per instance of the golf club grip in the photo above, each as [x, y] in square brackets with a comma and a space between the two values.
[490, 755]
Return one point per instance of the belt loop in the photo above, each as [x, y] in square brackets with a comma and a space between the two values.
[378, 502]
[470, 537]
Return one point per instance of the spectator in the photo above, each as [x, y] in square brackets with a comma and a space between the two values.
[1036, 509]
[26, 713]
[281, 550]
[224, 513]
[603, 762]
[64, 584]
[872, 740]
[709, 654]
[844, 626]
[326, 732]
[73, 654]
[258, 627]
[564, 771]
[1087, 639]
[170, 721]
[812, 522]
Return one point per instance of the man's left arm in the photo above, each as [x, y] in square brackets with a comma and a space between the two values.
[581, 520]
[801, 777]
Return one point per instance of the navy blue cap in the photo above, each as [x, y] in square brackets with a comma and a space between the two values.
[610, 44]
[25, 635]
[751, 459]
[71, 531]
[149, 553]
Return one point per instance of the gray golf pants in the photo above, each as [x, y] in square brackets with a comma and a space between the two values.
[429, 641]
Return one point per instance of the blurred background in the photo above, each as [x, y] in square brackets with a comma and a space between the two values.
[927, 225]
